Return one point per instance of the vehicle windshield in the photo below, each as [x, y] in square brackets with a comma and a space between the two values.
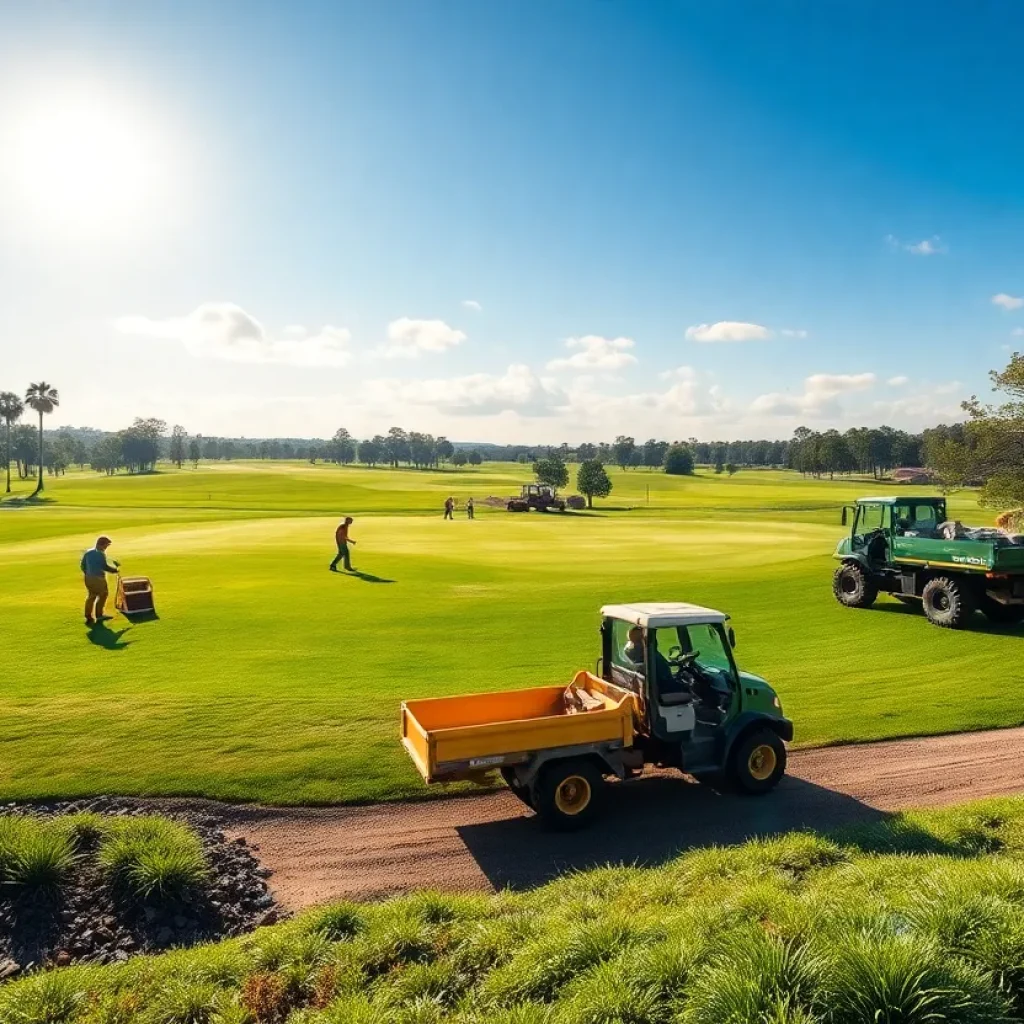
[706, 641]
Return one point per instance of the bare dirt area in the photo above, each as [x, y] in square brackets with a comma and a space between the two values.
[490, 841]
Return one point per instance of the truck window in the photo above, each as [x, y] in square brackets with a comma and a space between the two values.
[620, 642]
[708, 640]
[871, 517]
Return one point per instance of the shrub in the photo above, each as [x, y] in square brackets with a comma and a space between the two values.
[153, 858]
[576, 502]
[679, 460]
[339, 922]
[34, 853]
[186, 1001]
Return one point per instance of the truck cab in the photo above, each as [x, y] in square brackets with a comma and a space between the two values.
[694, 701]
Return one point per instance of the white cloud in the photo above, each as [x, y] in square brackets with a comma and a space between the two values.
[1007, 301]
[592, 352]
[679, 373]
[518, 389]
[408, 337]
[727, 330]
[819, 397]
[1018, 332]
[473, 305]
[933, 246]
[226, 332]
[788, 332]
[897, 382]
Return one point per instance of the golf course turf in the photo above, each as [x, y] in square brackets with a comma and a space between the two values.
[268, 678]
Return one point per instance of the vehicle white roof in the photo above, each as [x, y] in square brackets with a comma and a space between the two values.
[658, 614]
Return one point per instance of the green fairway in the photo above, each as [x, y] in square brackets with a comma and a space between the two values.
[268, 678]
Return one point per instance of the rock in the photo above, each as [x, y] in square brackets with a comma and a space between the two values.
[63, 958]
[120, 955]
[8, 969]
[108, 921]
[270, 916]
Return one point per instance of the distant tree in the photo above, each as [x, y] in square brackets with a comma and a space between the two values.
[721, 454]
[679, 460]
[730, 468]
[177, 447]
[211, 449]
[459, 458]
[23, 448]
[522, 458]
[11, 409]
[444, 448]
[654, 453]
[551, 470]
[623, 450]
[107, 455]
[194, 453]
[341, 448]
[475, 458]
[585, 452]
[314, 452]
[140, 444]
[43, 399]
[592, 480]
[636, 458]
[396, 446]
[80, 454]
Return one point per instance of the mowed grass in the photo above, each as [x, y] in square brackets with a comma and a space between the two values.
[268, 678]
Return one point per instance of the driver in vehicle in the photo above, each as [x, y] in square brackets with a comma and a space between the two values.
[664, 679]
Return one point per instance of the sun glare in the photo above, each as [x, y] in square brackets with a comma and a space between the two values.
[83, 159]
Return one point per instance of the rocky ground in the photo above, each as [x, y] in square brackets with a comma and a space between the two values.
[87, 922]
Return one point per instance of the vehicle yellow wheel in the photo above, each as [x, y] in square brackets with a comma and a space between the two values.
[761, 763]
[573, 795]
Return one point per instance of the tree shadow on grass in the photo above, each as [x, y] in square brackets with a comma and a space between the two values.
[651, 821]
[109, 639]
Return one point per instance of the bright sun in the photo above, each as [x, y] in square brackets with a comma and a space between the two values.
[84, 159]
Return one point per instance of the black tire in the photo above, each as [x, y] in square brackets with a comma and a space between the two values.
[568, 795]
[518, 789]
[1002, 614]
[853, 587]
[947, 602]
[758, 761]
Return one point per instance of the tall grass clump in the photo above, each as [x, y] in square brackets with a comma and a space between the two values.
[153, 858]
[34, 854]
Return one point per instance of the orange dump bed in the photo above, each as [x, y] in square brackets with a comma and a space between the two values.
[451, 736]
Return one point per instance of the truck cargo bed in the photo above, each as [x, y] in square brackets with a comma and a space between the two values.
[452, 737]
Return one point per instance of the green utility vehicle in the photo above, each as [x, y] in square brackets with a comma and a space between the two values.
[905, 547]
[666, 692]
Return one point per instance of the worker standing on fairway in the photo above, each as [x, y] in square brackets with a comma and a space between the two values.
[469, 508]
[449, 508]
[343, 540]
[94, 570]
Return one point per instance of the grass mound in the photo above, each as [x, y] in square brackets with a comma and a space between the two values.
[916, 920]
[153, 858]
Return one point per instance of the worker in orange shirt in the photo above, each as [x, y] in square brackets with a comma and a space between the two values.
[343, 539]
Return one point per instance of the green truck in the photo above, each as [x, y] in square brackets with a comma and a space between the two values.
[906, 547]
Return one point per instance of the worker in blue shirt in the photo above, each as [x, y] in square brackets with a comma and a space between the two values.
[94, 569]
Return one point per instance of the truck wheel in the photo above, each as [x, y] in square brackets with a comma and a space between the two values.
[758, 762]
[947, 602]
[1002, 614]
[567, 794]
[853, 587]
[513, 783]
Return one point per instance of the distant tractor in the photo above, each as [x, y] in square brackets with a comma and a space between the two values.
[905, 547]
[541, 497]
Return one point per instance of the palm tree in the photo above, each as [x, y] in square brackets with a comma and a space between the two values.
[11, 408]
[44, 400]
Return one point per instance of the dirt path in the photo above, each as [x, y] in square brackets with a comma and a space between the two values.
[487, 842]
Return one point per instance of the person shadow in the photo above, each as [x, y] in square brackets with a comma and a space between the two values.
[109, 639]
[366, 577]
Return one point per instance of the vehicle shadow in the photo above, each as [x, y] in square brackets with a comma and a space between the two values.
[978, 622]
[653, 820]
[109, 639]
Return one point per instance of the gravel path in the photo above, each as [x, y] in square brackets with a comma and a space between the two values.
[488, 842]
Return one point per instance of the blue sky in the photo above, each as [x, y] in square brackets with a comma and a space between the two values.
[510, 220]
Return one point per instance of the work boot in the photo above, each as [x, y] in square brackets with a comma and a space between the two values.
[104, 618]
[90, 623]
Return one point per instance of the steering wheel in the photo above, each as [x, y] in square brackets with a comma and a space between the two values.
[676, 657]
